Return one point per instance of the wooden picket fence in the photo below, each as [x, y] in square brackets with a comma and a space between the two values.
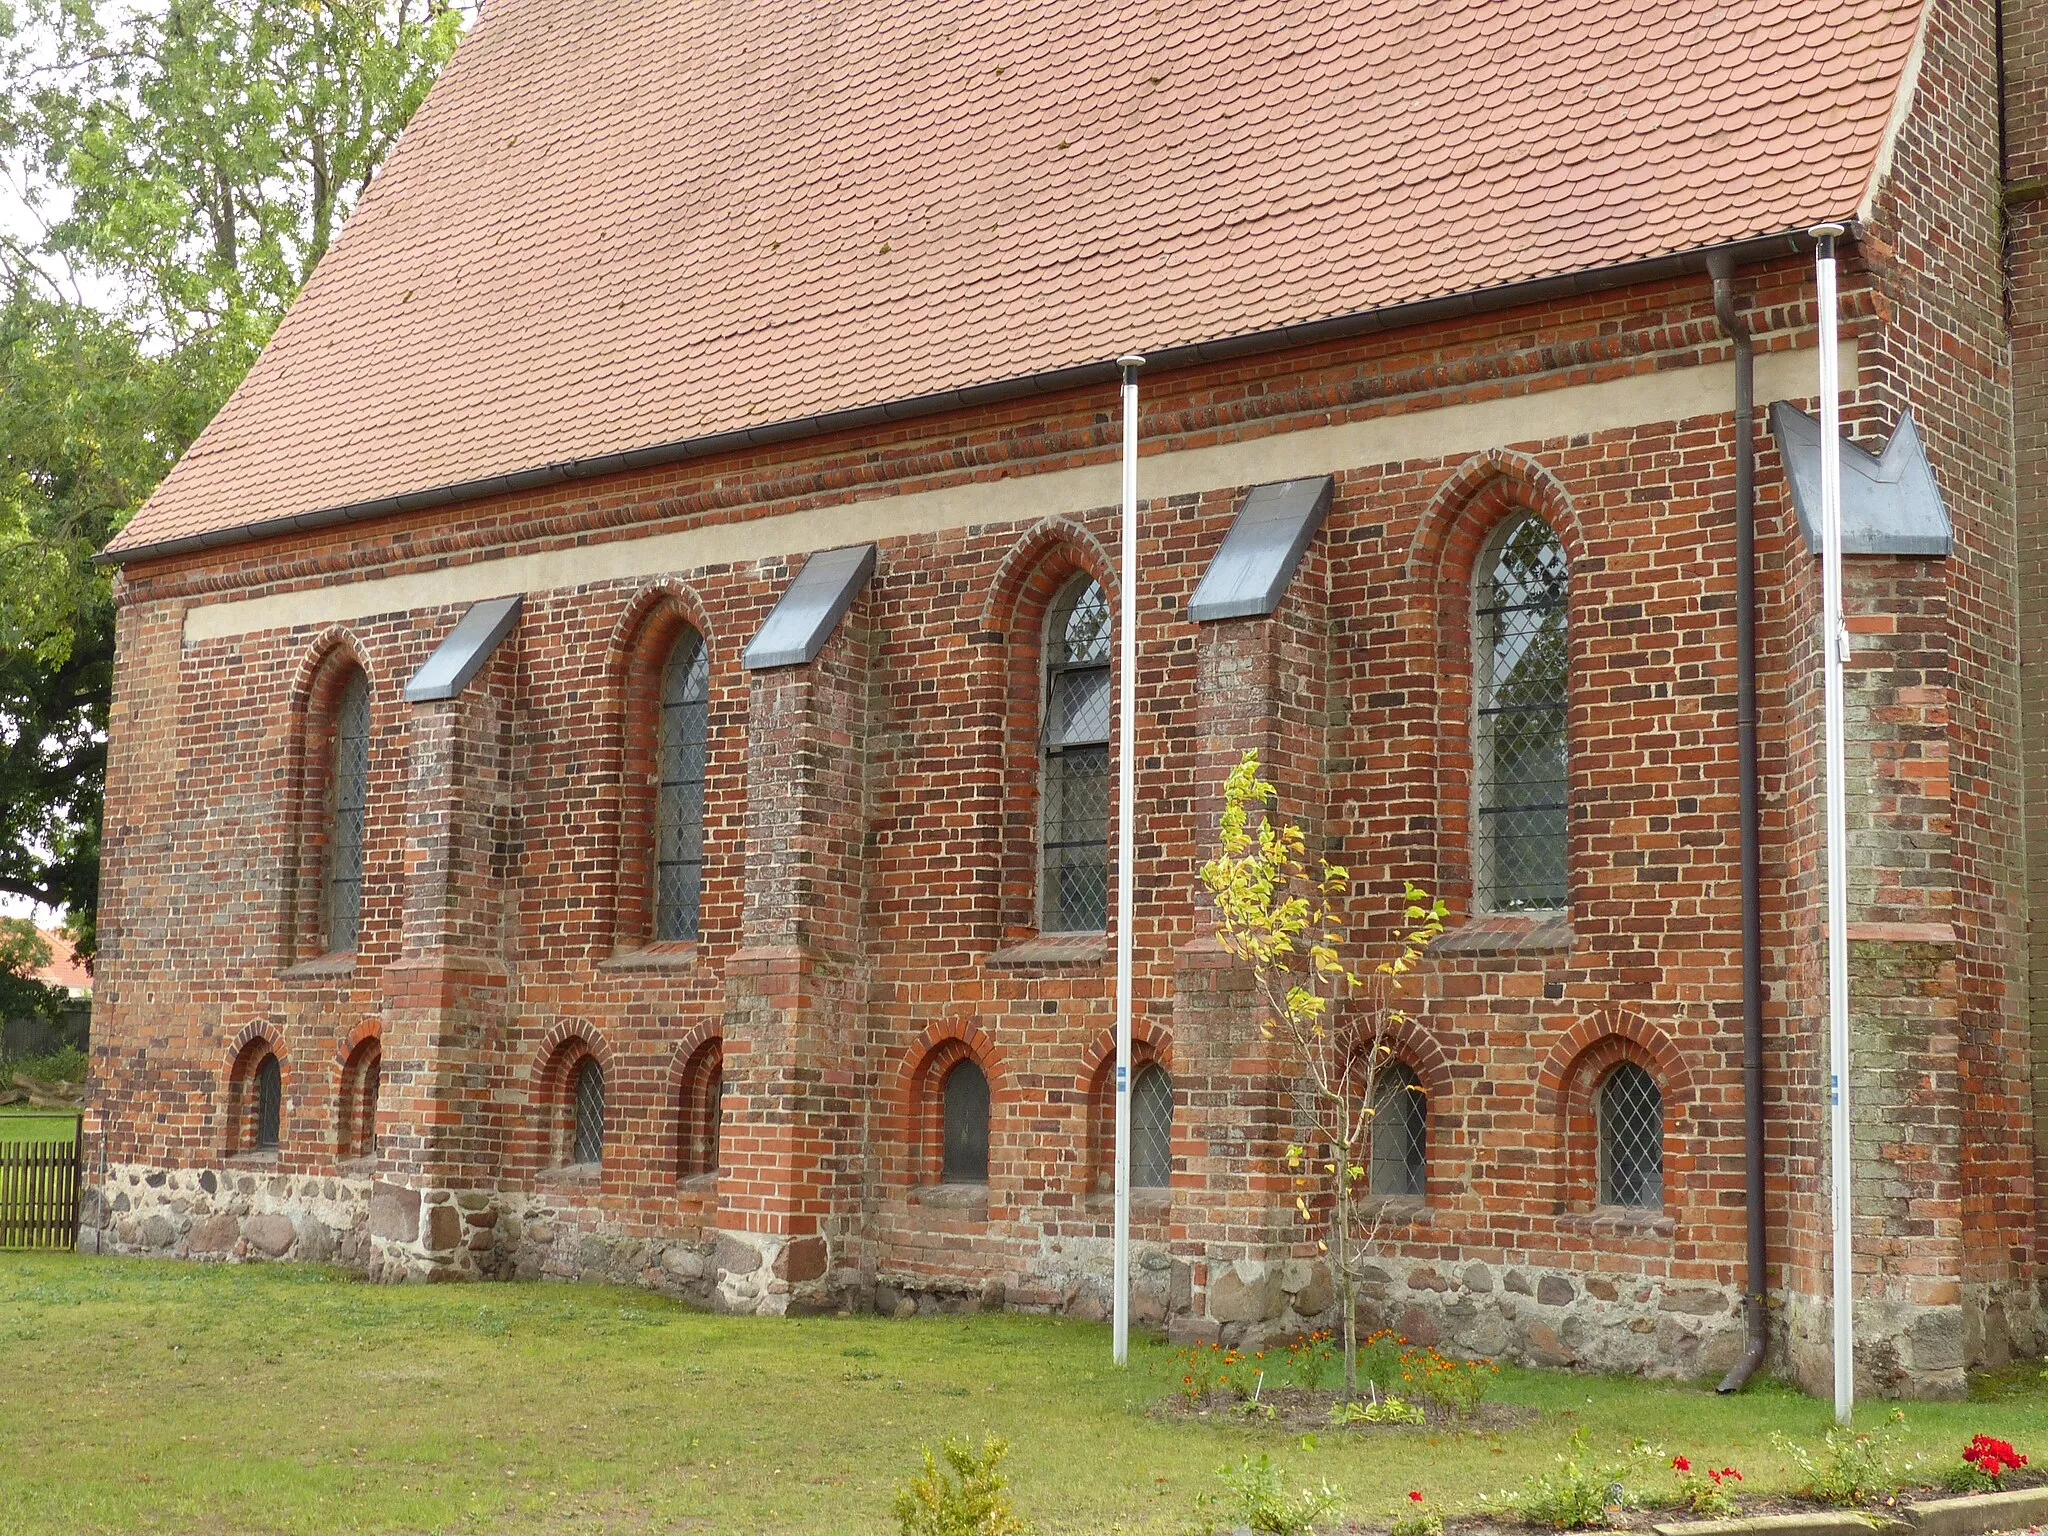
[39, 1184]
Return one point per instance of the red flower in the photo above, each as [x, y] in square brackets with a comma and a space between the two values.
[1415, 1496]
[1679, 1463]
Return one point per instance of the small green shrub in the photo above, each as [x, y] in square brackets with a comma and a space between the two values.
[977, 1504]
[1306, 1357]
[1573, 1495]
[1851, 1467]
[1388, 1410]
[65, 1065]
[1255, 1498]
[1420, 1520]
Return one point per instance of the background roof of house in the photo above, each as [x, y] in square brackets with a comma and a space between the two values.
[618, 224]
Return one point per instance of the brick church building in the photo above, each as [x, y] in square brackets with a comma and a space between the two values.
[612, 724]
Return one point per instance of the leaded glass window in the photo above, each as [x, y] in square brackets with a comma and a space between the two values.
[1400, 1130]
[269, 1104]
[351, 797]
[1074, 893]
[1519, 780]
[965, 1099]
[679, 809]
[1151, 1128]
[1631, 1139]
[587, 1143]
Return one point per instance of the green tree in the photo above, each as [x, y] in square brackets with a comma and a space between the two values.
[192, 160]
[1284, 917]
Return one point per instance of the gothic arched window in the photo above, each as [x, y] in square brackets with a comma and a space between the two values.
[346, 828]
[269, 1104]
[1074, 881]
[1519, 696]
[1631, 1139]
[679, 803]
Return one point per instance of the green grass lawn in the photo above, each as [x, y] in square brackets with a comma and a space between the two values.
[18, 1122]
[165, 1397]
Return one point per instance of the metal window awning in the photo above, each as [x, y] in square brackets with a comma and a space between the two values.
[462, 655]
[810, 608]
[1890, 503]
[1259, 555]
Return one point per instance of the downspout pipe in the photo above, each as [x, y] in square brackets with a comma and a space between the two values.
[1756, 1306]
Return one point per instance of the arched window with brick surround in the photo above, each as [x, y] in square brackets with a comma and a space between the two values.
[1074, 734]
[679, 797]
[1631, 1131]
[256, 1099]
[700, 1110]
[269, 1104]
[356, 1124]
[1400, 1129]
[1521, 659]
[348, 810]
[964, 1103]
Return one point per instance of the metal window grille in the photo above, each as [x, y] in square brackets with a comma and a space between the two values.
[1519, 778]
[1631, 1139]
[351, 797]
[1400, 1133]
[269, 1104]
[679, 807]
[588, 1145]
[1151, 1129]
[966, 1114]
[1075, 882]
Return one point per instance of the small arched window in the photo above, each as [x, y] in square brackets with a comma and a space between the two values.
[359, 1085]
[700, 1112]
[1074, 884]
[1400, 1129]
[1631, 1139]
[586, 1143]
[679, 800]
[350, 797]
[965, 1102]
[269, 1104]
[1151, 1128]
[1519, 776]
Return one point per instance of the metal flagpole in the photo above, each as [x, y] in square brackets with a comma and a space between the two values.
[1126, 854]
[1835, 637]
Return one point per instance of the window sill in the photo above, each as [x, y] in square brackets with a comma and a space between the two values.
[268, 1159]
[1048, 949]
[1146, 1204]
[697, 1187]
[681, 956]
[1620, 1221]
[1397, 1210]
[356, 1168]
[341, 963]
[950, 1202]
[1508, 933]
[573, 1175]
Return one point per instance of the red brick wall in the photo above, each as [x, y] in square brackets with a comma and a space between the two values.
[871, 822]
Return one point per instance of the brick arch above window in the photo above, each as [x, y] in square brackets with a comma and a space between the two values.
[1095, 1092]
[915, 1126]
[1474, 505]
[694, 1101]
[1567, 1090]
[563, 1051]
[1027, 582]
[655, 620]
[321, 680]
[247, 1051]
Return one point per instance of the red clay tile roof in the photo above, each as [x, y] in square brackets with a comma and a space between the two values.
[65, 969]
[623, 223]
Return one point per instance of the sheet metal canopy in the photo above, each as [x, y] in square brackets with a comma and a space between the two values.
[1890, 503]
[1259, 554]
[810, 608]
[462, 655]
